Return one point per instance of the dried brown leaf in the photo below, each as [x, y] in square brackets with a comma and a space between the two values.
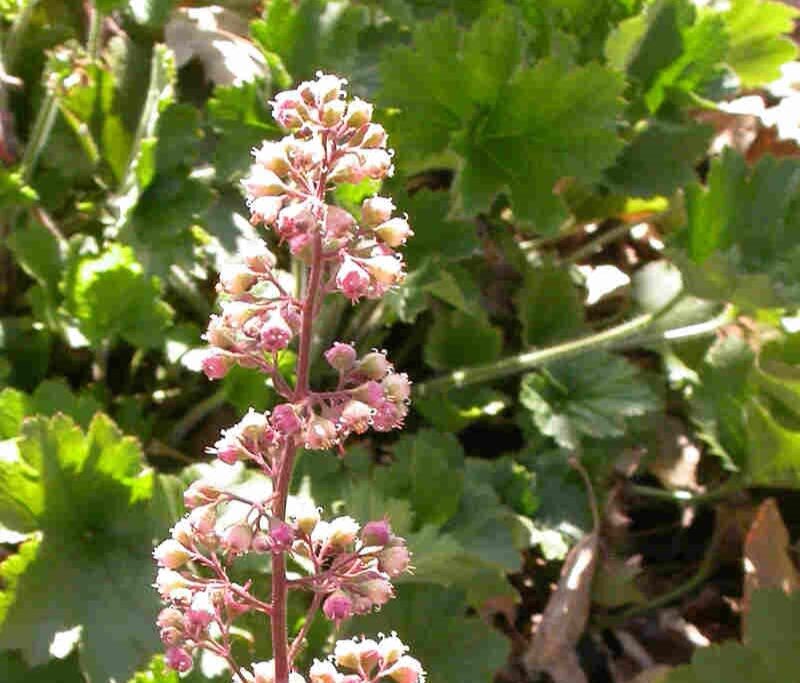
[767, 563]
[565, 616]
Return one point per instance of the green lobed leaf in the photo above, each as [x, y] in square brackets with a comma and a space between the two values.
[549, 306]
[549, 122]
[740, 232]
[311, 34]
[457, 339]
[590, 395]
[660, 159]
[759, 40]
[239, 116]
[429, 85]
[436, 236]
[422, 462]
[111, 298]
[92, 507]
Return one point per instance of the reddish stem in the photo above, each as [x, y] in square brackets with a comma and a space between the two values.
[280, 636]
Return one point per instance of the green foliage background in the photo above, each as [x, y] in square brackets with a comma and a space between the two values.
[516, 124]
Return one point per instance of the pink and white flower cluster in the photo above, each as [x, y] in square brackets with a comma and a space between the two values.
[364, 661]
[334, 142]
[348, 569]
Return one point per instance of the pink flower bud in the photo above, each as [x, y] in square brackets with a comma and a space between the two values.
[288, 109]
[374, 365]
[275, 333]
[347, 653]
[391, 648]
[219, 334]
[300, 246]
[201, 611]
[387, 417]
[377, 532]
[306, 517]
[338, 606]
[370, 393]
[216, 365]
[237, 538]
[253, 425]
[265, 209]
[285, 420]
[352, 280]
[386, 269]
[183, 532]
[171, 585]
[338, 222]
[326, 87]
[348, 169]
[320, 433]
[227, 449]
[171, 554]
[236, 279]
[281, 536]
[261, 543]
[340, 356]
[376, 164]
[272, 156]
[397, 387]
[359, 113]
[199, 493]
[170, 617]
[374, 137]
[342, 531]
[324, 672]
[394, 560]
[258, 257]
[263, 183]
[203, 519]
[332, 112]
[356, 417]
[378, 591]
[394, 232]
[178, 659]
[237, 313]
[264, 672]
[406, 670]
[376, 210]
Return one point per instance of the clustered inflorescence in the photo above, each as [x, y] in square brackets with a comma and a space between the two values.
[349, 568]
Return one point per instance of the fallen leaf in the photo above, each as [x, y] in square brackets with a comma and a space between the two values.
[565, 616]
[767, 563]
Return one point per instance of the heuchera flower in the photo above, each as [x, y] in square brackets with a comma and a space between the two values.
[349, 568]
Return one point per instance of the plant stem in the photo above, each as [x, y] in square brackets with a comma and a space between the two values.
[19, 27]
[280, 636]
[619, 336]
[683, 497]
[40, 133]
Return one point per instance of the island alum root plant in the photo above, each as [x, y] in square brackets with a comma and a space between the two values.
[351, 568]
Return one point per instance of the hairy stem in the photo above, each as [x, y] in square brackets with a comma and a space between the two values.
[617, 337]
[280, 637]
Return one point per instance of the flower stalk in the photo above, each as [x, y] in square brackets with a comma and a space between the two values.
[331, 141]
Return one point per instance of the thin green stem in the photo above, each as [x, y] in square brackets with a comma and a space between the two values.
[95, 26]
[688, 498]
[19, 27]
[618, 337]
[597, 243]
[40, 133]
